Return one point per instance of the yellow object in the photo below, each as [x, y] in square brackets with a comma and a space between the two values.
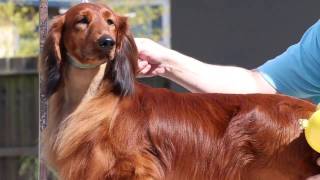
[312, 129]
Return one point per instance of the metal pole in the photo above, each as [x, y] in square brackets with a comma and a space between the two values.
[43, 104]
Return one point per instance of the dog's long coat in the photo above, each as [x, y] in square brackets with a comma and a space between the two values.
[105, 125]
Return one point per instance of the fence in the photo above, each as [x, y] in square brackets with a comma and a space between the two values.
[18, 118]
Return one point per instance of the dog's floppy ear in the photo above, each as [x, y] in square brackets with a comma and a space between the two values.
[121, 71]
[51, 58]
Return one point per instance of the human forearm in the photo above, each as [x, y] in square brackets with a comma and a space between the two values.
[197, 76]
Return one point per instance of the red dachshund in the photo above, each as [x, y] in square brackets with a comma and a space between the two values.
[103, 124]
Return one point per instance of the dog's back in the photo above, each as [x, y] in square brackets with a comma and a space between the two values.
[217, 136]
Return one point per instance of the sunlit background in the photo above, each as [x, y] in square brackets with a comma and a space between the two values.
[19, 21]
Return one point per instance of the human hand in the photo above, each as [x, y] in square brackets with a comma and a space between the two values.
[153, 58]
[316, 177]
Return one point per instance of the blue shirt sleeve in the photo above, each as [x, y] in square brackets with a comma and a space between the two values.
[296, 72]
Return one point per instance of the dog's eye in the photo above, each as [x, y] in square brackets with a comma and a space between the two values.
[110, 22]
[84, 20]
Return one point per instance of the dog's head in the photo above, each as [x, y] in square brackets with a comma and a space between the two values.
[91, 34]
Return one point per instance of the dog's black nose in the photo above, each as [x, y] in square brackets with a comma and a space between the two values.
[106, 42]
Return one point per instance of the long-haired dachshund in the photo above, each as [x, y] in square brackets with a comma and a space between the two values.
[103, 124]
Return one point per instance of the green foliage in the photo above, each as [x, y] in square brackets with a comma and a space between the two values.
[29, 168]
[25, 20]
[141, 14]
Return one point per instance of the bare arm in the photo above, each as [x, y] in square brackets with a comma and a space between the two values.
[195, 75]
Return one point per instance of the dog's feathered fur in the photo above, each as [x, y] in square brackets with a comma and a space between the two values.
[105, 125]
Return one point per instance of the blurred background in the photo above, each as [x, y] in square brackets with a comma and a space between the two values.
[19, 48]
[245, 33]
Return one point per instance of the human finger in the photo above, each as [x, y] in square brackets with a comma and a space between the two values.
[142, 64]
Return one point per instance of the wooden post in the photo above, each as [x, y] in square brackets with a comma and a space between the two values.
[43, 104]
